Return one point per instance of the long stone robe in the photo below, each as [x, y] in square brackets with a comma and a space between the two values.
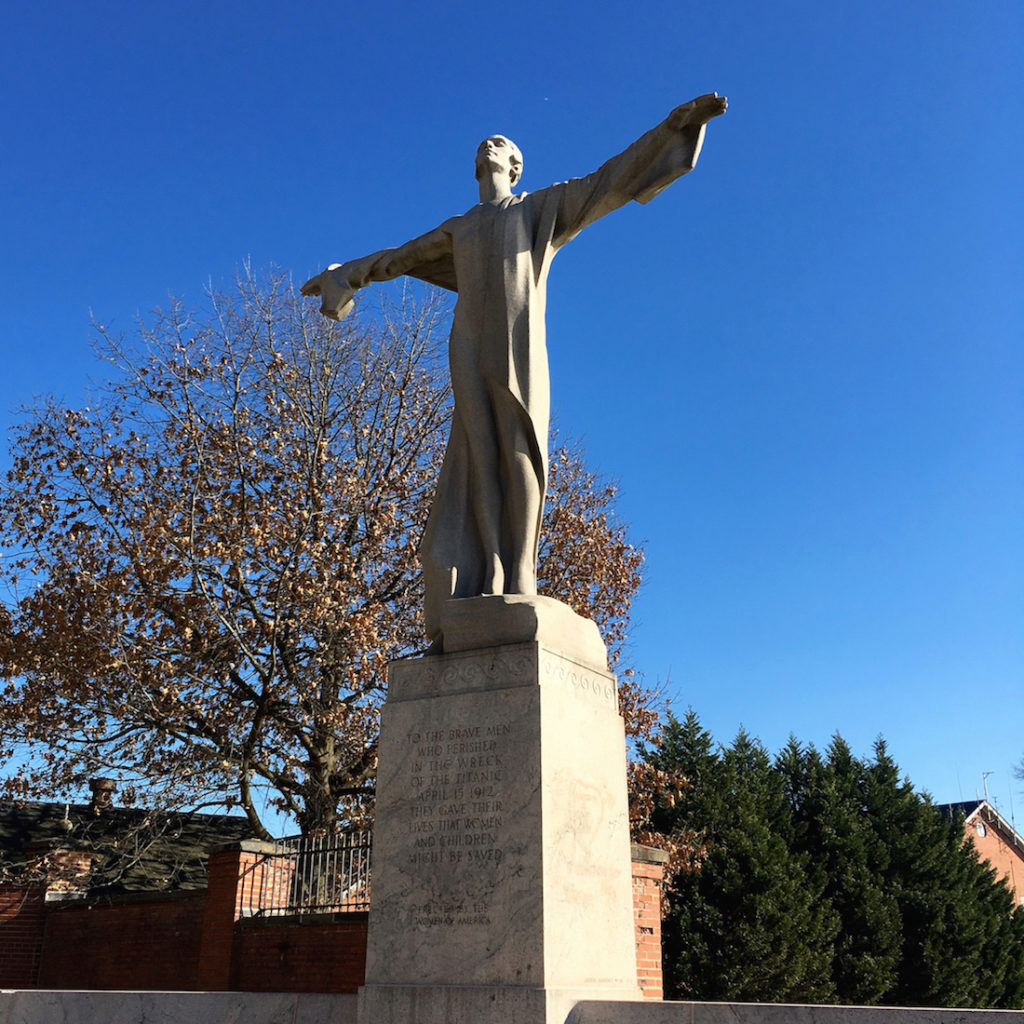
[496, 256]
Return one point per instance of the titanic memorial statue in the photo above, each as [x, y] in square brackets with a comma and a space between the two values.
[482, 534]
[502, 887]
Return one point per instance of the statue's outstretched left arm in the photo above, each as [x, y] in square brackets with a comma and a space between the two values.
[694, 115]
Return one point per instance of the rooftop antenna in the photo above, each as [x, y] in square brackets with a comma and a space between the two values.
[984, 782]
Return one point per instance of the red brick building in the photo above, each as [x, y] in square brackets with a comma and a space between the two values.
[994, 838]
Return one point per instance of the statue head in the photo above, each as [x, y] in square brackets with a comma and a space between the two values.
[502, 154]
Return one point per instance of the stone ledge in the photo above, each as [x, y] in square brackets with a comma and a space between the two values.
[247, 846]
[652, 1012]
[69, 1007]
[80, 901]
[647, 854]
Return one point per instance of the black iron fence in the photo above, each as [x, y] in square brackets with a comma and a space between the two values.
[311, 875]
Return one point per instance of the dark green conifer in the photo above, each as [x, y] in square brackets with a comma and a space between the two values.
[833, 830]
[750, 925]
[827, 879]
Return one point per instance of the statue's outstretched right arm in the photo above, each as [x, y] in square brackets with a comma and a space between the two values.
[338, 284]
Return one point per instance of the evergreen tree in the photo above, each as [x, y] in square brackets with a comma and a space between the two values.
[827, 879]
[750, 924]
[832, 830]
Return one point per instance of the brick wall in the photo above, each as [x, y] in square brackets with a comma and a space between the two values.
[22, 918]
[136, 943]
[308, 953]
[648, 879]
[207, 941]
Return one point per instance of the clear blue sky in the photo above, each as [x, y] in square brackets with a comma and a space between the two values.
[803, 362]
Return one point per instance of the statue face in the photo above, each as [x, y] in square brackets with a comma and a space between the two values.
[496, 153]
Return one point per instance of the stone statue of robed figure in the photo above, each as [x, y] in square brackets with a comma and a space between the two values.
[483, 531]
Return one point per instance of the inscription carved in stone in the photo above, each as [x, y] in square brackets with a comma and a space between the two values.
[457, 806]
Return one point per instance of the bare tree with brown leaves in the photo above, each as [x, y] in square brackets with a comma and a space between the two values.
[209, 568]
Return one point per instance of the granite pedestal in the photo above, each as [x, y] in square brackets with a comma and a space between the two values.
[501, 872]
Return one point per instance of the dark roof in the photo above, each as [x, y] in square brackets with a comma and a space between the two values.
[964, 807]
[132, 849]
[968, 808]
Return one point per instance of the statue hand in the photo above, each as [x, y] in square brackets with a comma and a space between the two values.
[697, 112]
[334, 290]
